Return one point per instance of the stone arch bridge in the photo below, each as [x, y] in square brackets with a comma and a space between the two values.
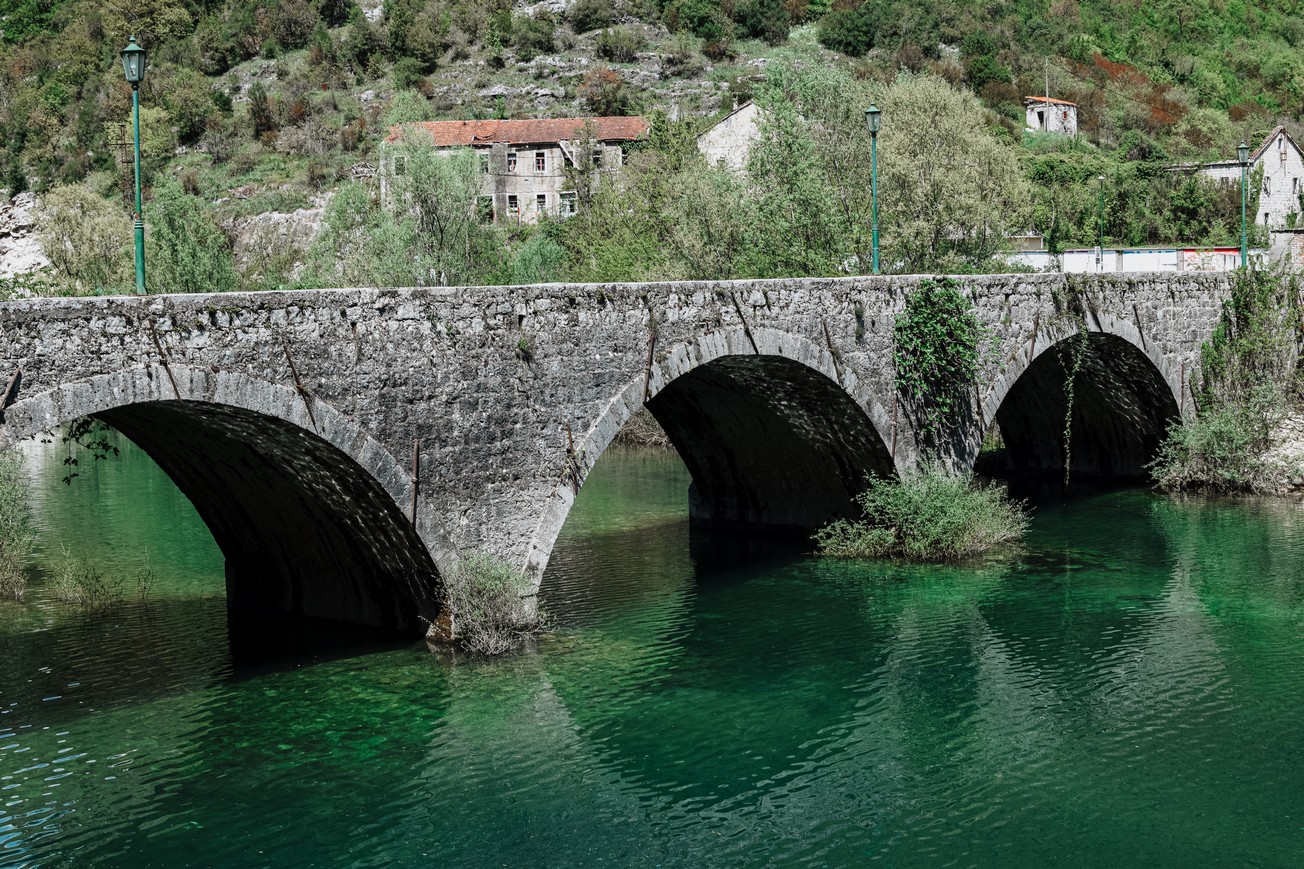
[344, 446]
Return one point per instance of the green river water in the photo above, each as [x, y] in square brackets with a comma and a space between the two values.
[1127, 691]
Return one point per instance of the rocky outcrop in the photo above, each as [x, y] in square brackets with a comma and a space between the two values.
[20, 251]
[276, 240]
[1286, 455]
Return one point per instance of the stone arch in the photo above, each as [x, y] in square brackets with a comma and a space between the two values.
[775, 432]
[1125, 398]
[305, 506]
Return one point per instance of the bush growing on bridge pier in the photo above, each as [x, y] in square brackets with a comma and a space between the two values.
[485, 599]
[928, 515]
[1250, 384]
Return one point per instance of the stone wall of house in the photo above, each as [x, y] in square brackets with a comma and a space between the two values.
[729, 142]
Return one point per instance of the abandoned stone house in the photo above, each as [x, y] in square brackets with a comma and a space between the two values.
[530, 166]
[1283, 178]
[1046, 115]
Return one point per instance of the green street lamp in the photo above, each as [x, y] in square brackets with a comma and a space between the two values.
[872, 120]
[133, 66]
[1243, 155]
[1100, 225]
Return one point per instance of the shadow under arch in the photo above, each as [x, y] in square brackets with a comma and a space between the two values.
[773, 440]
[771, 443]
[304, 506]
[1123, 405]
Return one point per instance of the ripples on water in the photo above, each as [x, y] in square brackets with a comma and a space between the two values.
[1123, 692]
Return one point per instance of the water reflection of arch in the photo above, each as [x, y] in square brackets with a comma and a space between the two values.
[777, 434]
[303, 503]
[1125, 398]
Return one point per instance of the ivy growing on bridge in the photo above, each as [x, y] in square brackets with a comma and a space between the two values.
[938, 349]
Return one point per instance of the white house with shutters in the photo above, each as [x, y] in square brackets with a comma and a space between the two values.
[1283, 178]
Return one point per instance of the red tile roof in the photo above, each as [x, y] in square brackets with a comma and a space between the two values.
[1048, 100]
[525, 132]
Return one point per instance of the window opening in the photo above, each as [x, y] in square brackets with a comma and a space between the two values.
[511, 161]
[540, 161]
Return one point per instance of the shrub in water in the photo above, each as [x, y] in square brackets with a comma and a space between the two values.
[1222, 449]
[15, 527]
[484, 599]
[1249, 384]
[81, 583]
[928, 515]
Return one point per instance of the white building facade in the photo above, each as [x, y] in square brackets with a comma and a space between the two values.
[728, 143]
[1283, 179]
[530, 168]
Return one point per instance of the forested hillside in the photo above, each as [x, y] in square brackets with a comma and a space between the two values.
[268, 106]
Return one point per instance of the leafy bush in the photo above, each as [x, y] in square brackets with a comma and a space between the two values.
[406, 73]
[484, 600]
[1249, 368]
[1223, 448]
[928, 515]
[984, 70]
[850, 31]
[620, 44]
[86, 237]
[15, 526]
[587, 15]
[185, 251]
[604, 92]
[702, 18]
[764, 19]
[533, 36]
[1255, 342]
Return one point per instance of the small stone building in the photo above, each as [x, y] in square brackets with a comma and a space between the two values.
[1046, 115]
[728, 142]
[1283, 178]
[525, 163]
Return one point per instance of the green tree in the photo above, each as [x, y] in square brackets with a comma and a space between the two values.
[950, 190]
[763, 19]
[360, 244]
[436, 192]
[185, 251]
[87, 238]
[851, 31]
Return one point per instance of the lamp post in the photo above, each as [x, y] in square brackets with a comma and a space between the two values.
[872, 120]
[133, 66]
[1100, 224]
[1243, 155]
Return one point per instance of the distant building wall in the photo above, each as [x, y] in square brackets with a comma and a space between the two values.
[1132, 260]
[1282, 183]
[729, 142]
